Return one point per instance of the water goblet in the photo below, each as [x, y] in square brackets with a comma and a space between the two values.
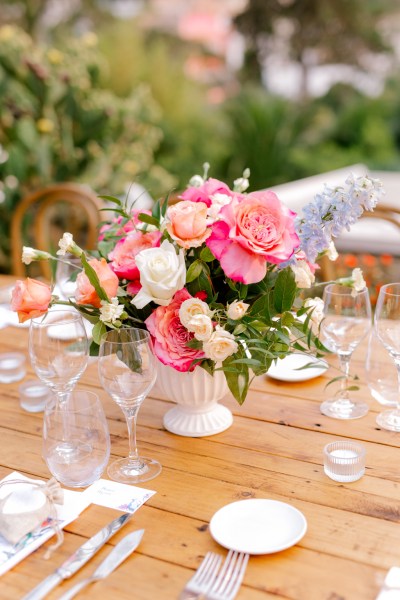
[387, 328]
[127, 372]
[59, 350]
[84, 418]
[346, 322]
[380, 372]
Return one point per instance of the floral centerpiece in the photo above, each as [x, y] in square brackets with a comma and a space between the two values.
[216, 278]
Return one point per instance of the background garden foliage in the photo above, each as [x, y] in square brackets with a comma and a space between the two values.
[116, 106]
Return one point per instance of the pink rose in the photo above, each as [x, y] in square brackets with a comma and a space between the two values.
[122, 258]
[188, 223]
[170, 336]
[253, 230]
[205, 191]
[85, 292]
[30, 298]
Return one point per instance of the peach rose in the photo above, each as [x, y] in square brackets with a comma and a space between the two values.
[30, 298]
[188, 223]
[85, 292]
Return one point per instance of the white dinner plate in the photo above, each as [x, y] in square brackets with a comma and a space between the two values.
[258, 526]
[289, 368]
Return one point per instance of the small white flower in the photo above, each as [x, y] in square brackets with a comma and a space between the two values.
[68, 246]
[241, 184]
[30, 254]
[237, 309]
[358, 281]
[217, 202]
[220, 345]
[303, 275]
[191, 307]
[332, 253]
[110, 312]
[196, 181]
[317, 306]
[202, 327]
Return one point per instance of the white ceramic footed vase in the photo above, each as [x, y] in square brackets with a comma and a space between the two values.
[196, 393]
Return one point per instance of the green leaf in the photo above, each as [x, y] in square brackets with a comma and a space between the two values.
[284, 291]
[105, 247]
[194, 271]
[207, 255]
[94, 349]
[94, 280]
[237, 379]
[111, 199]
[98, 331]
[148, 219]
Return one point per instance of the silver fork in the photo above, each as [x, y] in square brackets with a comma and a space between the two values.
[203, 579]
[226, 585]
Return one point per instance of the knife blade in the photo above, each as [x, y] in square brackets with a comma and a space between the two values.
[118, 554]
[80, 557]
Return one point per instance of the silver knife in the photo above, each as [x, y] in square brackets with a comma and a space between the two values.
[117, 555]
[78, 558]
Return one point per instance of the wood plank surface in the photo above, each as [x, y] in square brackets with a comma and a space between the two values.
[273, 450]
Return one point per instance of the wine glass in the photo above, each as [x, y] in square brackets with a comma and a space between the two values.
[380, 372]
[387, 328]
[66, 274]
[84, 418]
[346, 322]
[59, 350]
[127, 372]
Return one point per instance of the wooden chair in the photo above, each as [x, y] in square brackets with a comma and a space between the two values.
[41, 218]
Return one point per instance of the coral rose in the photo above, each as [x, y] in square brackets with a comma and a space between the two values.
[251, 231]
[122, 257]
[30, 298]
[85, 292]
[187, 223]
[170, 337]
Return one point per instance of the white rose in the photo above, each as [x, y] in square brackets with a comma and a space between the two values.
[191, 307]
[162, 274]
[237, 309]
[220, 345]
[201, 326]
[303, 275]
[317, 305]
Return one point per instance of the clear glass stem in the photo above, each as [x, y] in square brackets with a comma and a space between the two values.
[131, 418]
[397, 363]
[62, 400]
[344, 359]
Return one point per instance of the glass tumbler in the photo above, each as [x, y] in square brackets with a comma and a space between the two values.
[344, 461]
[79, 426]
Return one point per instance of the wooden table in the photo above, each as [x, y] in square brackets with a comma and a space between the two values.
[273, 450]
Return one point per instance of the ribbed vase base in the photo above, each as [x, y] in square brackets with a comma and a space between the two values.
[182, 421]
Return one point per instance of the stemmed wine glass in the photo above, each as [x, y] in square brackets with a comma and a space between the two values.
[127, 372]
[387, 328]
[346, 322]
[59, 352]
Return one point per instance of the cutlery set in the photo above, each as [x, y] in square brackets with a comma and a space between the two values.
[210, 582]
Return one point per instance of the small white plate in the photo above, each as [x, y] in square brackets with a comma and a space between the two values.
[289, 368]
[258, 526]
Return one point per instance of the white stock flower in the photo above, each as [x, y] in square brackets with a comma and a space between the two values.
[303, 275]
[110, 311]
[237, 309]
[191, 307]
[220, 345]
[30, 254]
[358, 280]
[332, 253]
[217, 202]
[317, 306]
[162, 274]
[202, 327]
